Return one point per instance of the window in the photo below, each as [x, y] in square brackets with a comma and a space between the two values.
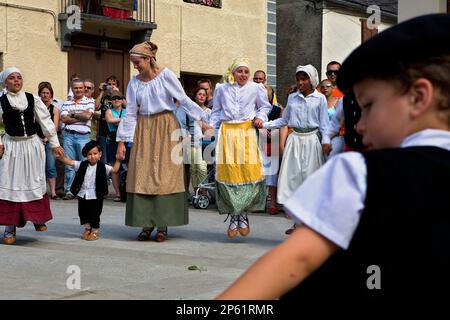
[209, 3]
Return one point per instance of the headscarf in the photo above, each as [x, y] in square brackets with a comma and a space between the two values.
[5, 74]
[239, 62]
[146, 49]
[311, 72]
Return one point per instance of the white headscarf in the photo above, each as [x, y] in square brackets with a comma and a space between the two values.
[311, 72]
[5, 74]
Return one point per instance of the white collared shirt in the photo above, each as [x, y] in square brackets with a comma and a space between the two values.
[83, 105]
[235, 103]
[153, 97]
[304, 112]
[332, 199]
[87, 189]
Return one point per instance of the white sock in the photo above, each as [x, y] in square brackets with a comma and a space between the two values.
[234, 222]
[243, 221]
[87, 226]
[94, 230]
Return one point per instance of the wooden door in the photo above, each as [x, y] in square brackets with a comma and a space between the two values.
[91, 63]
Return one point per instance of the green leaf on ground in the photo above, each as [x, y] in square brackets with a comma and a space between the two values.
[195, 268]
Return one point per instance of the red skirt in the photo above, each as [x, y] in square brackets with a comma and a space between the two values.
[18, 213]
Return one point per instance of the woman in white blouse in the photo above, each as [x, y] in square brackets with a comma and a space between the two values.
[23, 186]
[155, 189]
[307, 113]
[239, 105]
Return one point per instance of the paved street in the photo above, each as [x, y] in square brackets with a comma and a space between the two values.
[119, 267]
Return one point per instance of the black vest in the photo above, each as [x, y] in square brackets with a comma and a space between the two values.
[14, 120]
[404, 230]
[352, 114]
[101, 181]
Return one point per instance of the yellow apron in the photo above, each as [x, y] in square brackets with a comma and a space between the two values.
[238, 158]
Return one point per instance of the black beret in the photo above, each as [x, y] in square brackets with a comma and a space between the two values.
[89, 146]
[405, 43]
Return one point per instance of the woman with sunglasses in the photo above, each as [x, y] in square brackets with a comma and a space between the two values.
[113, 117]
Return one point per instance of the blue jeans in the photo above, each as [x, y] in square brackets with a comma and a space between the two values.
[50, 164]
[73, 144]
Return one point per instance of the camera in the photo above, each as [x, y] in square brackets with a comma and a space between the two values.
[106, 87]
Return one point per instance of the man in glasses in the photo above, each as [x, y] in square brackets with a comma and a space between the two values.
[89, 88]
[332, 74]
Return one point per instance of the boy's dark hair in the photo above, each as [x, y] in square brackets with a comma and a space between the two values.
[89, 146]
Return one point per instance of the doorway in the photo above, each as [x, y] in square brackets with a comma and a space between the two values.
[97, 65]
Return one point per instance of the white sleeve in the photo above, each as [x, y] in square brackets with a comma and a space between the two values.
[280, 122]
[214, 118]
[76, 165]
[108, 169]
[127, 126]
[263, 105]
[44, 120]
[335, 123]
[173, 86]
[331, 200]
[324, 120]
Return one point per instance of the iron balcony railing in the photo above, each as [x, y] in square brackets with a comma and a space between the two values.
[143, 10]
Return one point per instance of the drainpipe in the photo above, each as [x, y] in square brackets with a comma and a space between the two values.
[55, 19]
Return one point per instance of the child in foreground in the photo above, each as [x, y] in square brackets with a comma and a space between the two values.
[376, 224]
[90, 186]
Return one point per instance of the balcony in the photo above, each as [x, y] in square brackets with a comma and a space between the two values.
[135, 18]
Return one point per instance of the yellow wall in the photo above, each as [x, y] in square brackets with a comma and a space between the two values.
[199, 39]
[341, 35]
[27, 41]
[191, 38]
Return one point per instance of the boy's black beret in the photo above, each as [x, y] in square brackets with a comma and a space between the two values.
[88, 147]
[405, 43]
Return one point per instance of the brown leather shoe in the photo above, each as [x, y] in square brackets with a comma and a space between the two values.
[244, 226]
[145, 234]
[233, 227]
[9, 237]
[40, 227]
[9, 240]
[68, 197]
[161, 235]
[85, 234]
[93, 236]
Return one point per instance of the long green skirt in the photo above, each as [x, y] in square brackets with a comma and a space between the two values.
[156, 210]
[239, 198]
